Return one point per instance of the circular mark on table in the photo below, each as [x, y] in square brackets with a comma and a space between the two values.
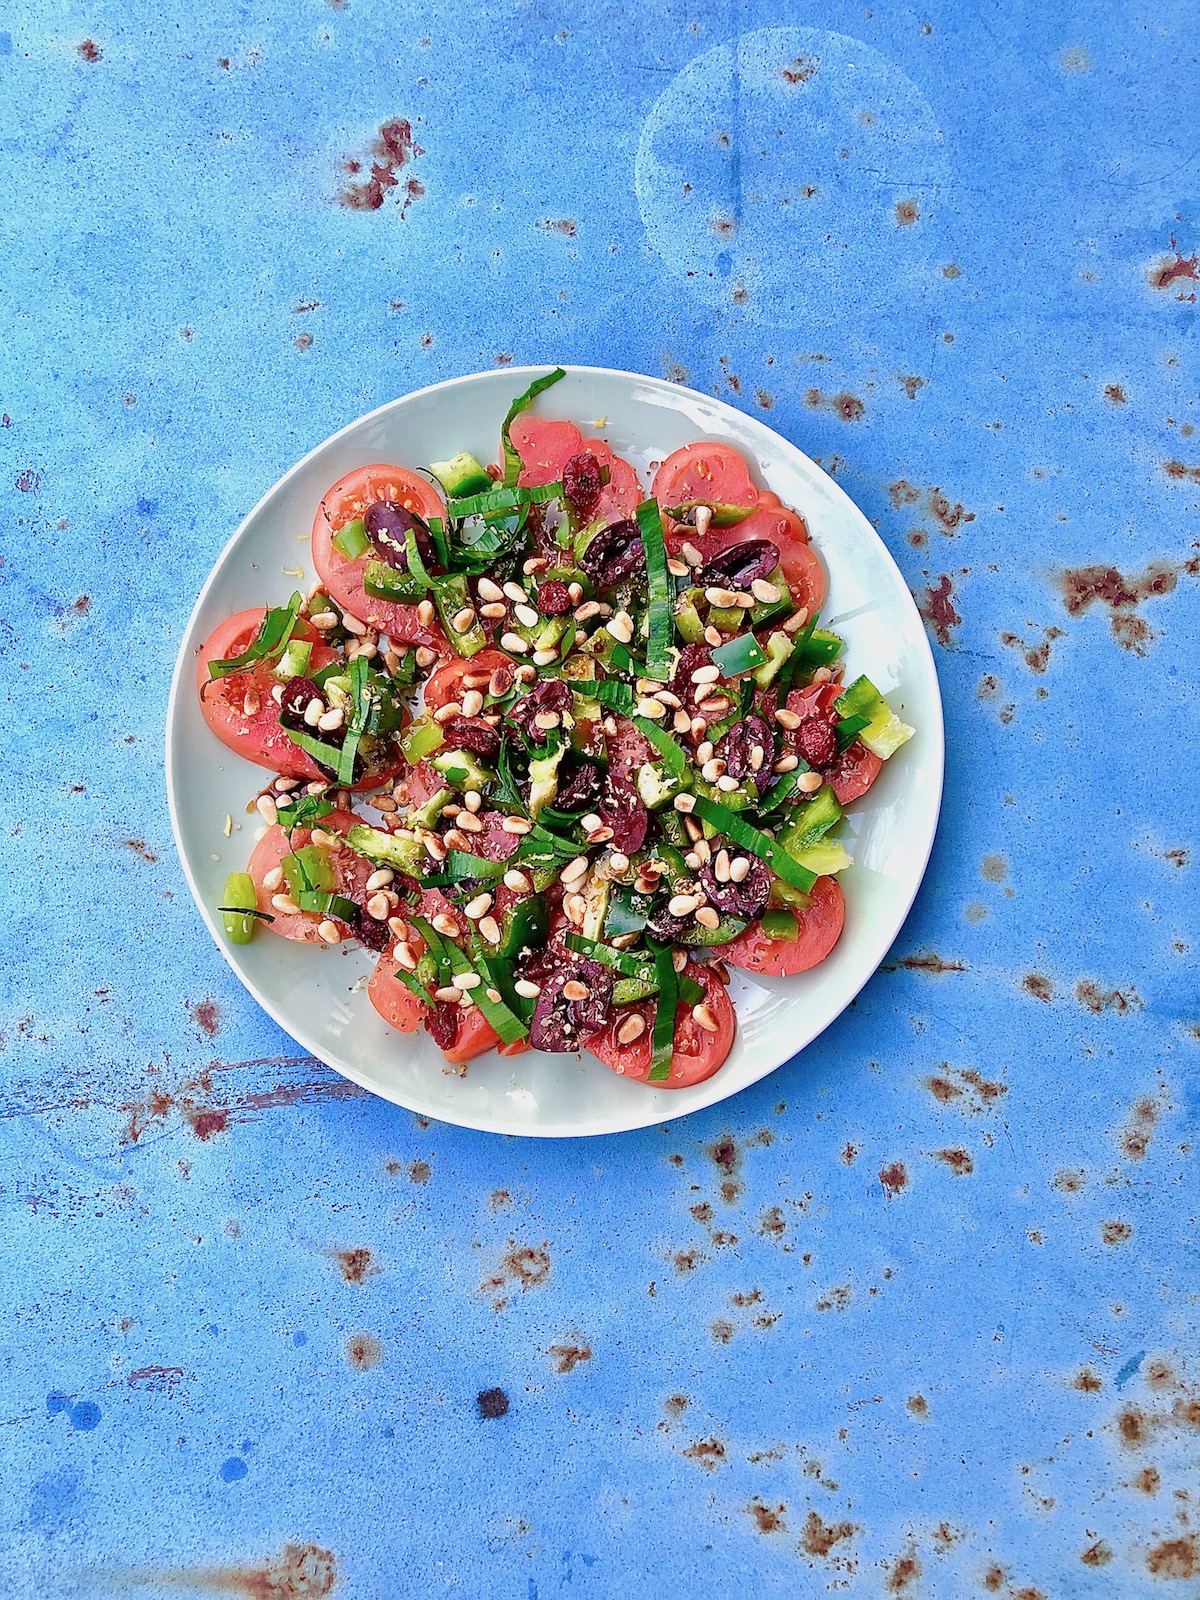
[793, 171]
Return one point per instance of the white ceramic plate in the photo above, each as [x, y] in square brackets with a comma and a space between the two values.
[314, 993]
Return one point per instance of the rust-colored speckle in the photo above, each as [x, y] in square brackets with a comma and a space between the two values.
[156, 1380]
[299, 1572]
[26, 482]
[393, 149]
[206, 1014]
[903, 493]
[849, 1155]
[936, 605]
[527, 1266]
[818, 1537]
[721, 1330]
[994, 868]
[1096, 1555]
[800, 71]
[1090, 994]
[702, 1212]
[492, 1403]
[1084, 586]
[1086, 1381]
[1181, 472]
[904, 1572]
[566, 1357]
[943, 1089]
[1176, 268]
[725, 1155]
[772, 1223]
[1148, 1481]
[849, 407]
[894, 1179]
[906, 213]
[1178, 858]
[1115, 393]
[1133, 1427]
[1115, 1232]
[723, 225]
[687, 1261]
[1174, 1558]
[363, 1351]
[499, 1200]
[567, 226]
[357, 1265]
[1135, 1141]
[765, 400]
[836, 1299]
[918, 1405]
[140, 848]
[1038, 985]
[767, 1519]
[82, 605]
[90, 50]
[206, 1121]
[993, 1579]
[1187, 1412]
[419, 1172]
[912, 384]
[303, 341]
[926, 961]
[706, 1453]
[957, 1159]
[731, 1191]
[676, 1404]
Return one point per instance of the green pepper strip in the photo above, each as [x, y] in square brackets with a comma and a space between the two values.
[660, 589]
[662, 1040]
[436, 948]
[512, 461]
[358, 720]
[758, 843]
[274, 631]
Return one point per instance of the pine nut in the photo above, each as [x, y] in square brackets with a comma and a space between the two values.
[599, 835]
[574, 990]
[546, 720]
[533, 564]
[679, 959]
[493, 611]
[822, 675]
[703, 516]
[272, 879]
[445, 924]
[475, 680]
[809, 782]
[681, 722]
[787, 719]
[500, 683]
[705, 1016]
[251, 704]
[426, 613]
[653, 709]
[575, 869]
[472, 703]
[575, 592]
[447, 994]
[703, 850]
[514, 643]
[796, 621]
[527, 990]
[712, 770]
[587, 611]
[543, 658]
[444, 713]
[314, 711]
[463, 620]
[330, 932]
[352, 624]
[682, 905]
[479, 907]
[575, 907]
[516, 825]
[702, 691]
[632, 1028]
[721, 866]
[717, 708]
[707, 674]
[469, 823]
[490, 590]
[277, 694]
[391, 661]
[425, 656]
[739, 869]
[378, 907]
[517, 881]
[712, 636]
[472, 800]
[764, 591]
[745, 601]
[398, 928]
[685, 803]
[318, 786]
[324, 620]
[405, 955]
[515, 592]
[267, 810]
[707, 917]
[434, 846]
[672, 701]
[618, 862]
[489, 928]
[727, 784]
[621, 627]
[724, 598]
[704, 751]
[332, 719]
[677, 569]
[690, 554]
[786, 764]
[466, 980]
[526, 615]
[757, 757]
[693, 860]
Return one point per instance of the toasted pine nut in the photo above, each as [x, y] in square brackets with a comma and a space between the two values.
[525, 673]
[796, 621]
[689, 552]
[445, 924]
[452, 708]
[546, 720]
[398, 928]
[706, 1018]
[277, 694]
[516, 825]
[809, 782]
[267, 809]
[405, 955]
[466, 980]
[721, 597]
[527, 990]
[526, 615]
[324, 620]
[469, 822]
[575, 907]
[330, 932]
[786, 764]
[489, 928]
[378, 907]
[479, 907]
[352, 624]
[768, 593]
[682, 905]
[721, 866]
[681, 722]
[489, 590]
[494, 610]
[543, 658]
[712, 769]
[575, 592]
[331, 719]
[653, 709]
[514, 643]
[448, 994]
[708, 918]
[434, 846]
[787, 719]
[575, 869]
[632, 1028]
[822, 675]
[574, 990]
[251, 703]
[425, 656]
[739, 869]
[515, 592]
[712, 636]
[600, 835]
[588, 610]
[757, 757]
[472, 703]
[426, 613]
[472, 800]
[517, 882]
[621, 627]
[679, 959]
[618, 861]
[677, 569]
[685, 803]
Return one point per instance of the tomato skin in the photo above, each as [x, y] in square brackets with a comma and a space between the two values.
[856, 768]
[259, 738]
[351, 869]
[698, 1053]
[347, 499]
[545, 447]
[714, 474]
[820, 928]
[394, 1001]
[787, 529]
[445, 684]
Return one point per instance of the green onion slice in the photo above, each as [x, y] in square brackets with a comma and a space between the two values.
[329, 905]
[673, 754]
[422, 994]
[503, 498]
[662, 1039]
[661, 591]
[616, 695]
[758, 843]
[848, 729]
[512, 461]
[505, 1023]
[633, 966]
[274, 631]
[437, 949]
[303, 811]
[327, 754]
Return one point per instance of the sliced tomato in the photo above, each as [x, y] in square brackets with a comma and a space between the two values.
[394, 1001]
[714, 474]
[258, 735]
[446, 683]
[698, 1053]
[788, 531]
[819, 929]
[856, 768]
[545, 447]
[350, 869]
[349, 498]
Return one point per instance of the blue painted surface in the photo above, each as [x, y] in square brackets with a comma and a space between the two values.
[800, 1375]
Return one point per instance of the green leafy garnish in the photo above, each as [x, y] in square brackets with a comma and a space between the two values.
[753, 839]
[274, 631]
[661, 592]
[512, 461]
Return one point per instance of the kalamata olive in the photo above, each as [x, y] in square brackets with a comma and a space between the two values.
[386, 526]
[374, 935]
[614, 555]
[746, 899]
[582, 483]
[666, 927]
[739, 565]
[298, 693]
[442, 1023]
[551, 694]
[736, 748]
[691, 657]
[580, 788]
[817, 743]
[554, 598]
[472, 733]
[560, 1024]
[622, 811]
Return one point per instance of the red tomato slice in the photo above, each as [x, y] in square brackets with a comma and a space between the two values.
[698, 1053]
[395, 1003]
[545, 448]
[856, 768]
[348, 499]
[820, 928]
[446, 684]
[259, 736]
[714, 474]
[350, 869]
[786, 529]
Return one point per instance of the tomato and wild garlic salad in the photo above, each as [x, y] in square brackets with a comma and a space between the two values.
[622, 774]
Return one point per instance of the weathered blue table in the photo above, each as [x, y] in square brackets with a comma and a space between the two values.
[917, 1315]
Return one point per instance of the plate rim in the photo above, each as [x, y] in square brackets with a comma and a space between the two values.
[658, 1111]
